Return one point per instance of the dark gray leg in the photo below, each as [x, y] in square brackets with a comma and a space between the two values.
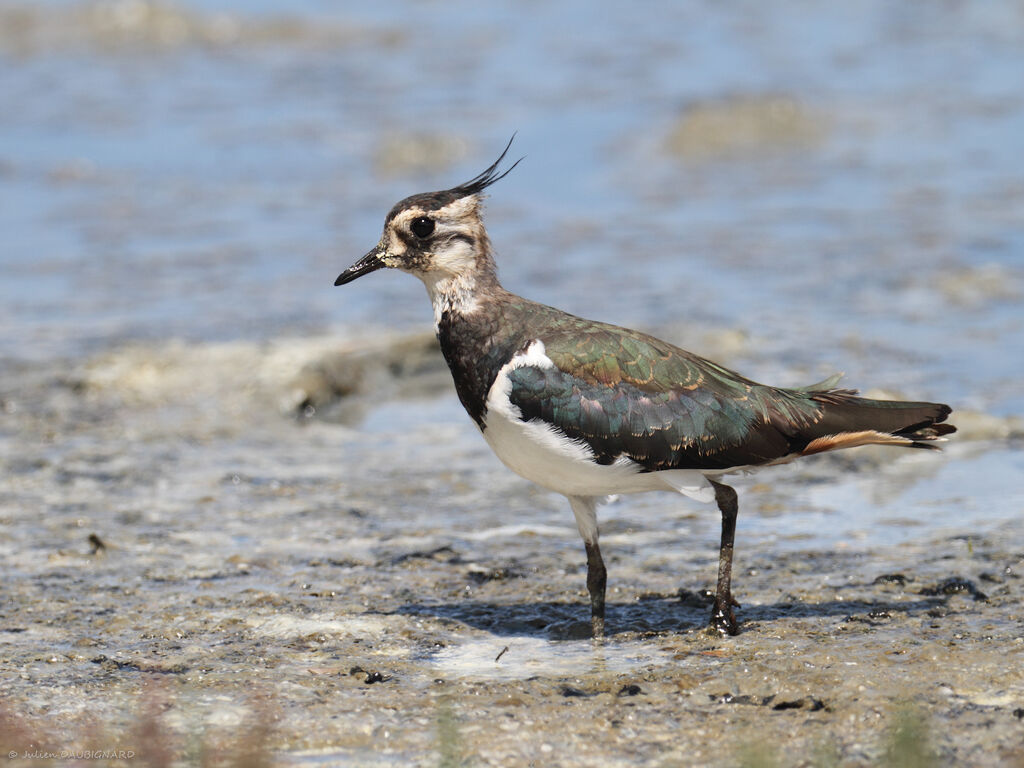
[597, 581]
[585, 510]
[722, 618]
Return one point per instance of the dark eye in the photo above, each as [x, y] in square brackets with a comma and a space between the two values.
[422, 227]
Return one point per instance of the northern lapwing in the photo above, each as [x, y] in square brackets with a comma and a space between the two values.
[589, 410]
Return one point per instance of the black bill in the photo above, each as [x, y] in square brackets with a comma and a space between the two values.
[369, 263]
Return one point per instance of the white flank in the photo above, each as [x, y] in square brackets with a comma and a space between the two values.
[545, 455]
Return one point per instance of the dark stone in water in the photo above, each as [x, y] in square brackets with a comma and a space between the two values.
[891, 578]
[569, 692]
[493, 574]
[955, 585]
[871, 618]
[808, 703]
[371, 677]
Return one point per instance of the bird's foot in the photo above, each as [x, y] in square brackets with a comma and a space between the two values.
[723, 621]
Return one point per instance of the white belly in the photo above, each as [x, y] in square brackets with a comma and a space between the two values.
[550, 459]
[546, 456]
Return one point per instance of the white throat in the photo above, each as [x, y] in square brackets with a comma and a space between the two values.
[451, 293]
[453, 280]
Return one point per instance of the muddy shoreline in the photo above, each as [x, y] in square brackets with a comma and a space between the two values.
[226, 568]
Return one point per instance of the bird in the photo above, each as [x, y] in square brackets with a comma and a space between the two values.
[591, 410]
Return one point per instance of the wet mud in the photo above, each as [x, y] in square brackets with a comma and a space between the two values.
[225, 566]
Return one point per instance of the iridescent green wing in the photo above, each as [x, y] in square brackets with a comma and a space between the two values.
[628, 394]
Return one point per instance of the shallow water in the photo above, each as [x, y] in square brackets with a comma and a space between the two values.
[851, 172]
[792, 191]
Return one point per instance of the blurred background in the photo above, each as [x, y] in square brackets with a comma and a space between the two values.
[219, 469]
[842, 186]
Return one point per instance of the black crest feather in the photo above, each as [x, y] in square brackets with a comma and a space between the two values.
[483, 180]
[432, 201]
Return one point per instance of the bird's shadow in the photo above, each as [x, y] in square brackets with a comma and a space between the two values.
[660, 615]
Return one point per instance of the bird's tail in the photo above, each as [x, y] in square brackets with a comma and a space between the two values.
[848, 421]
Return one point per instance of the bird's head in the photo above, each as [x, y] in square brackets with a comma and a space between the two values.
[436, 236]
